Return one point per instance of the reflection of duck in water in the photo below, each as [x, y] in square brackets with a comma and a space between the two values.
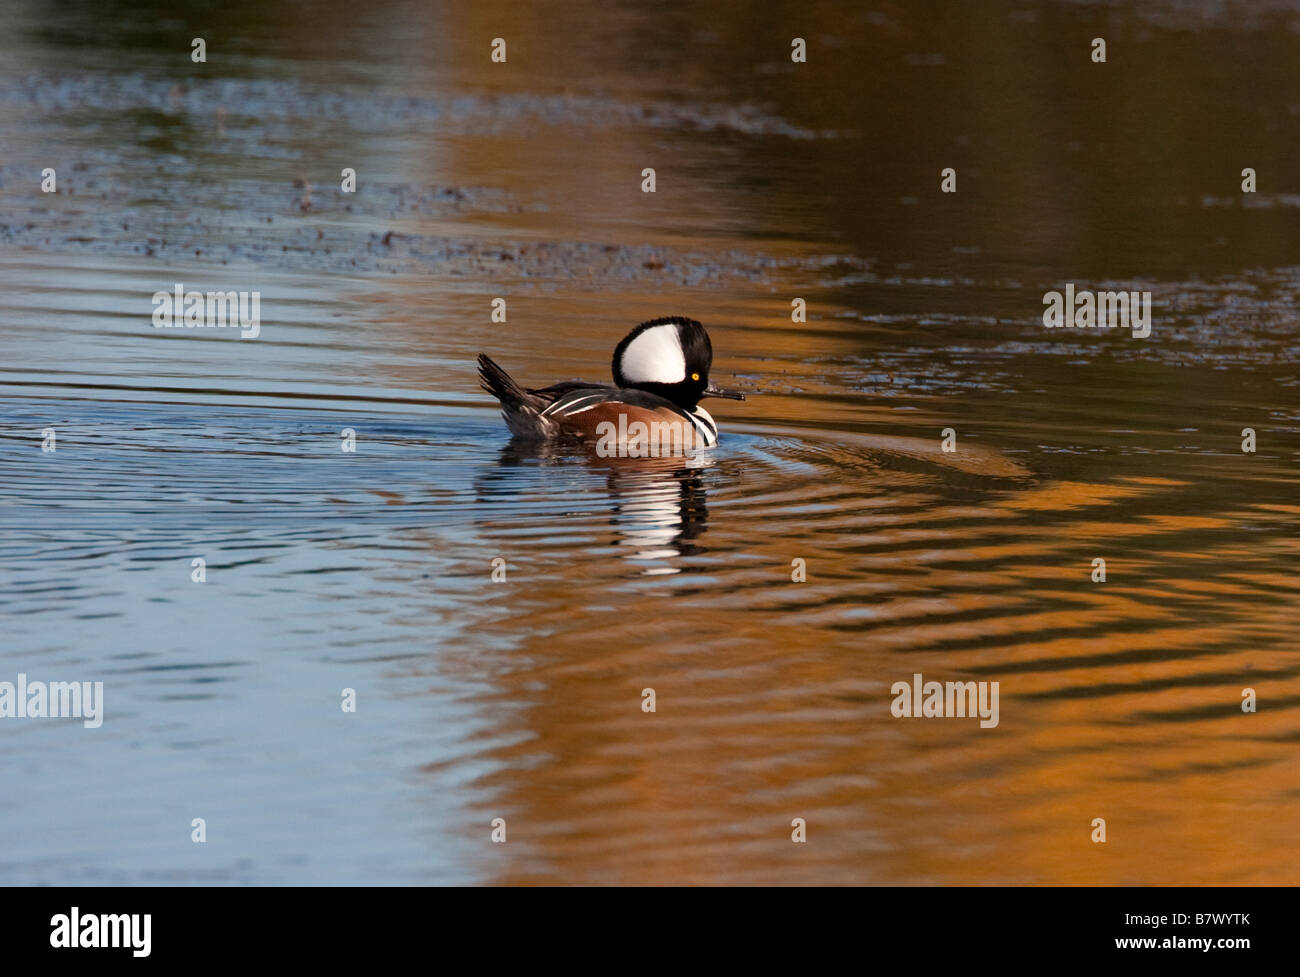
[659, 505]
[661, 371]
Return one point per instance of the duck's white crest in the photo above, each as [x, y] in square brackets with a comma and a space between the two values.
[655, 356]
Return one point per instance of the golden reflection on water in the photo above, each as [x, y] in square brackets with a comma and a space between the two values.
[1119, 700]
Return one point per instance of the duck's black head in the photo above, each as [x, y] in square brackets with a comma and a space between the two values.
[669, 357]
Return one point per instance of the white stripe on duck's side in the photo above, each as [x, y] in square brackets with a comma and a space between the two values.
[580, 400]
[706, 425]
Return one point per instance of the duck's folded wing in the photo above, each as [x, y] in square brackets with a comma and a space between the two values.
[580, 397]
[558, 390]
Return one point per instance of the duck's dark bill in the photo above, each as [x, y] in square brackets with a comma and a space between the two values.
[712, 391]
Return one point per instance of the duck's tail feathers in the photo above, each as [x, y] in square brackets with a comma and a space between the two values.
[498, 383]
[522, 410]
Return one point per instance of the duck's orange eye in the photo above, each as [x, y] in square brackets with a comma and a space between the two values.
[695, 376]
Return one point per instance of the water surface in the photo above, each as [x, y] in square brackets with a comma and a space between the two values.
[372, 570]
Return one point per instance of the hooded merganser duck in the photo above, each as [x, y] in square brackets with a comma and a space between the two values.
[661, 370]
